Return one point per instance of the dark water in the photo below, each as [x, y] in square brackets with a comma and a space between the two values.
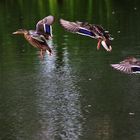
[73, 94]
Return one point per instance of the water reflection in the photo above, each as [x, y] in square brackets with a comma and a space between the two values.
[59, 103]
[103, 128]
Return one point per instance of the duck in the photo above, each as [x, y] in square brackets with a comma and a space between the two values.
[129, 65]
[90, 30]
[40, 36]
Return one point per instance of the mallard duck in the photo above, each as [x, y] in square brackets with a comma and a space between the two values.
[38, 38]
[129, 65]
[90, 30]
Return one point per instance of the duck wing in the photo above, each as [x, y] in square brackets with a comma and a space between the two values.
[126, 68]
[78, 27]
[44, 26]
[37, 36]
[136, 69]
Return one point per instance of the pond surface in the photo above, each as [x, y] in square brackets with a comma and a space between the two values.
[73, 94]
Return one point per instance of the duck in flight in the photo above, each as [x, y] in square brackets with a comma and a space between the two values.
[129, 65]
[90, 30]
[39, 37]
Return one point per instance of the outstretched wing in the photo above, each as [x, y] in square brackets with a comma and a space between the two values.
[78, 27]
[44, 25]
[126, 68]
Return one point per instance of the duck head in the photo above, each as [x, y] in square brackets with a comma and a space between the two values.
[20, 31]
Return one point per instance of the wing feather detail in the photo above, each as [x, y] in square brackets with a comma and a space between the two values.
[70, 26]
[44, 26]
[77, 27]
[123, 68]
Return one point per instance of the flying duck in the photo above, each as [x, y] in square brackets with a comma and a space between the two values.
[39, 37]
[90, 30]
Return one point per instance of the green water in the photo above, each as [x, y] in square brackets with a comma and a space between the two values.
[73, 94]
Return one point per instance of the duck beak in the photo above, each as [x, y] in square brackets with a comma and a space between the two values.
[106, 47]
[14, 33]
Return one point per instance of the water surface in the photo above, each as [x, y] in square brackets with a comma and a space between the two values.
[73, 94]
